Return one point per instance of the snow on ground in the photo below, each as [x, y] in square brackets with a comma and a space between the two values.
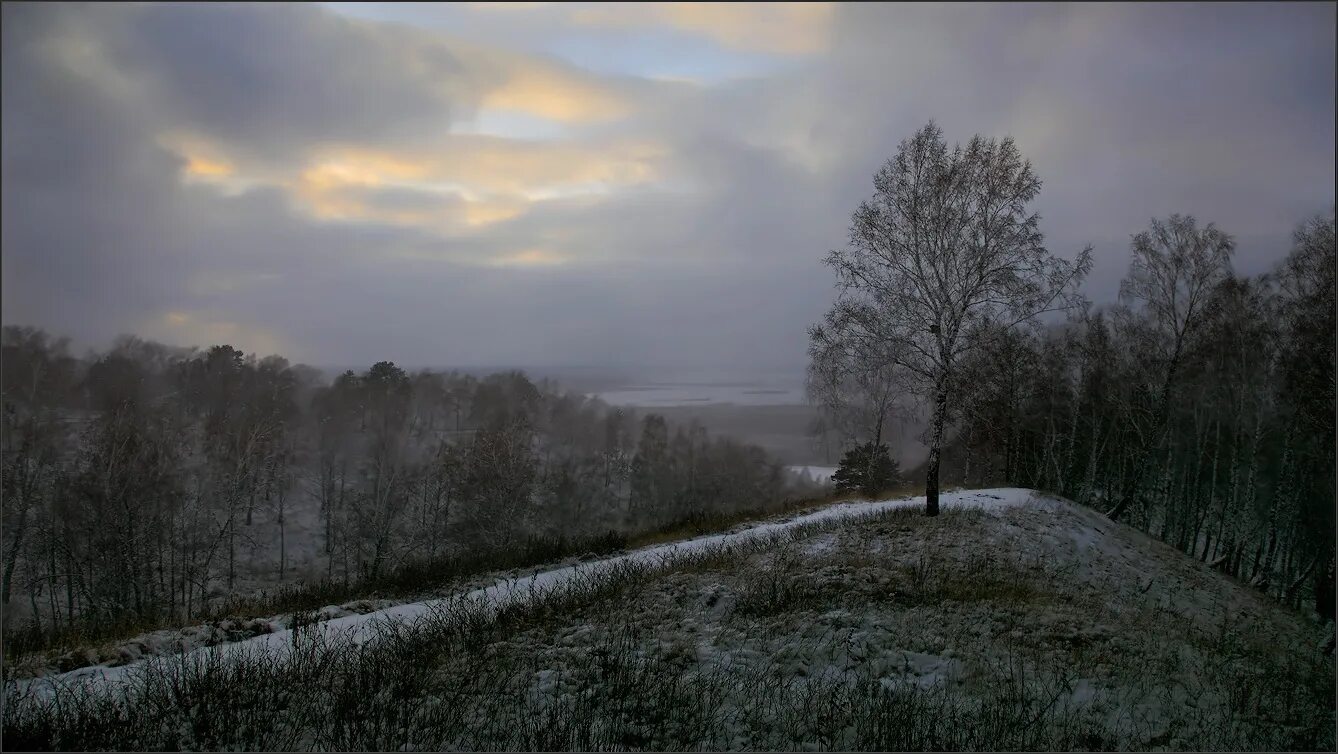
[361, 627]
[819, 474]
[1011, 607]
[1045, 598]
[820, 544]
[1148, 647]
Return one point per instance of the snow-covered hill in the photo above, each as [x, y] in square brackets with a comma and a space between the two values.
[360, 626]
[1012, 621]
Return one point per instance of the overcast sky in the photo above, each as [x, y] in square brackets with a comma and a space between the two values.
[599, 184]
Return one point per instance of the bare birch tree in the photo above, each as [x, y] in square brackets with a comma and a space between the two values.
[943, 258]
[1174, 269]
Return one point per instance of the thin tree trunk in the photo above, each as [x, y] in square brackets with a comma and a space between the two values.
[1145, 453]
[1089, 491]
[1212, 493]
[171, 567]
[11, 559]
[51, 584]
[69, 581]
[936, 441]
[1165, 484]
[283, 543]
[32, 598]
[1073, 444]
[1233, 484]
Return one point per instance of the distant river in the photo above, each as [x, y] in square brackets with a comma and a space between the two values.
[666, 394]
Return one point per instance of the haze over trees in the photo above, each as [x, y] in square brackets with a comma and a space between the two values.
[1198, 408]
[151, 484]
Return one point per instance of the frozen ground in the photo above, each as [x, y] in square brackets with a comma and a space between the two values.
[360, 620]
[1014, 621]
[1042, 622]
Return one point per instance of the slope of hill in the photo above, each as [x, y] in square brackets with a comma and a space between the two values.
[1012, 621]
[361, 620]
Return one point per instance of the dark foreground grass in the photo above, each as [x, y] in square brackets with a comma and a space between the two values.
[468, 677]
[409, 578]
[437, 686]
[89, 641]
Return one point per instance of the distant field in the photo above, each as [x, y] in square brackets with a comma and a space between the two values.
[769, 411]
[656, 395]
[783, 431]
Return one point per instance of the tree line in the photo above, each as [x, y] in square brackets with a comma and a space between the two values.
[152, 482]
[1199, 407]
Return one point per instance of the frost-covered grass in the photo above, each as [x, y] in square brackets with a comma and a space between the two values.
[502, 587]
[114, 644]
[79, 652]
[1009, 627]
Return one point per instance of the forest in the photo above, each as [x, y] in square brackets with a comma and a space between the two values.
[151, 486]
[1198, 407]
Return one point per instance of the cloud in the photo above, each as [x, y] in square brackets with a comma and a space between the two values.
[270, 81]
[529, 258]
[205, 168]
[549, 90]
[194, 327]
[301, 76]
[347, 190]
[465, 183]
[780, 28]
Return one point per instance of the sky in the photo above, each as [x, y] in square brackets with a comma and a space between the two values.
[640, 185]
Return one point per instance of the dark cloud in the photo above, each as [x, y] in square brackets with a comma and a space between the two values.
[270, 79]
